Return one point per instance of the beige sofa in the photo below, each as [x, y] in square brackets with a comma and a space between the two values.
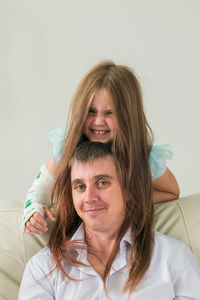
[179, 218]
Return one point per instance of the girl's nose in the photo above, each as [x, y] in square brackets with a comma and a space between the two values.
[99, 119]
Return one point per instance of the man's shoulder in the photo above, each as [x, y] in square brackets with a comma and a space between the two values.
[43, 256]
[43, 252]
[168, 245]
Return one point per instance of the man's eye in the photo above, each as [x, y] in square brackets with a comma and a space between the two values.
[80, 187]
[102, 183]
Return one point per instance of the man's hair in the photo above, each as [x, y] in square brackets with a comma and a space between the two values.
[89, 151]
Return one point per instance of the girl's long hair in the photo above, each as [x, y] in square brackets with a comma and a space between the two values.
[131, 147]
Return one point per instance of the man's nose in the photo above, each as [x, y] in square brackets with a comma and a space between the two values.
[91, 194]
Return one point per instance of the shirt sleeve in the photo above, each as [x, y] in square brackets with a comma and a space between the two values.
[57, 138]
[39, 195]
[186, 276]
[36, 283]
[157, 160]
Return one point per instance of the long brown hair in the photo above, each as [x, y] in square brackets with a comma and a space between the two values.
[131, 146]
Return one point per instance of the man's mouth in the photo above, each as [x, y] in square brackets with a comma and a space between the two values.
[94, 210]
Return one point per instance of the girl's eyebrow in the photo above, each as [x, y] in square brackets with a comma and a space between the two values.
[107, 109]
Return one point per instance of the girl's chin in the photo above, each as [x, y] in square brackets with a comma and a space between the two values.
[102, 139]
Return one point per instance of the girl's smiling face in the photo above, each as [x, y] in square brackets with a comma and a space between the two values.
[100, 124]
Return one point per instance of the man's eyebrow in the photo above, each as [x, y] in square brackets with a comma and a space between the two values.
[76, 181]
[101, 176]
[97, 177]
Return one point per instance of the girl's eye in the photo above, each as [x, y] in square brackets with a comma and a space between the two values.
[91, 111]
[109, 113]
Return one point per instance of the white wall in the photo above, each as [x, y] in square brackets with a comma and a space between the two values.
[47, 46]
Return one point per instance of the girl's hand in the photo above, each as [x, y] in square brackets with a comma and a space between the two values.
[37, 224]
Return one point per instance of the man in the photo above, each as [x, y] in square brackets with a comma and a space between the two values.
[96, 248]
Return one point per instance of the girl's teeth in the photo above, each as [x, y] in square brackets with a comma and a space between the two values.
[99, 132]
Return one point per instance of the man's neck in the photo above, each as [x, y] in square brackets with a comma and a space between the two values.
[100, 245]
[100, 240]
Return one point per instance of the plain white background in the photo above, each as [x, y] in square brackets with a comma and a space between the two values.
[47, 46]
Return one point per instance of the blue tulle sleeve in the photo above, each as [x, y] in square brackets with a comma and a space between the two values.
[57, 138]
[158, 156]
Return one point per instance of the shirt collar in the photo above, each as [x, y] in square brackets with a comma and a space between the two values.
[80, 235]
[127, 237]
[120, 260]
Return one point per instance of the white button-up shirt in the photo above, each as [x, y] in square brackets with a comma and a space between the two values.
[173, 274]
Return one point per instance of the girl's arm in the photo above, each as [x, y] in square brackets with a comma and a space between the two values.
[38, 200]
[165, 188]
[52, 166]
[39, 196]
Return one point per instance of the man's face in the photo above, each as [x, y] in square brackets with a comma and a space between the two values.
[97, 195]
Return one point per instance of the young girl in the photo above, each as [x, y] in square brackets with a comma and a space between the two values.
[107, 106]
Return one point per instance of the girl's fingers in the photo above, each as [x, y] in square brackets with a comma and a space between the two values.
[49, 214]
